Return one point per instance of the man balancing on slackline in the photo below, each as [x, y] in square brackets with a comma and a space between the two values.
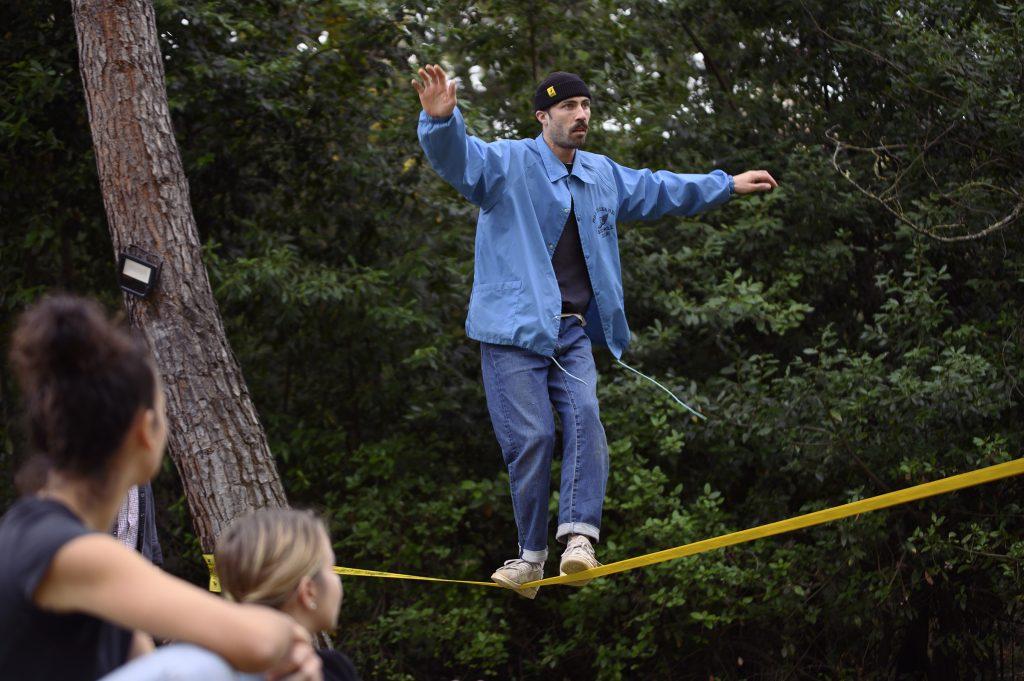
[546, 282]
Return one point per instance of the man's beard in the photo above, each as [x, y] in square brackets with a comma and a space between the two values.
[567, 141]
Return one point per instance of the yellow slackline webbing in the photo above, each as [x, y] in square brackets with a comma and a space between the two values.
[903, 496]
[355, 572]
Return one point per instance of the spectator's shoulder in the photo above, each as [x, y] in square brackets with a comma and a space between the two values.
[337, 666]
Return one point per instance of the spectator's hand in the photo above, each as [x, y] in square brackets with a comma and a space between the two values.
[301, 663]
[754, 181]
[437, 93]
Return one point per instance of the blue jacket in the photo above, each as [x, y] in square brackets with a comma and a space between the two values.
[524, 193]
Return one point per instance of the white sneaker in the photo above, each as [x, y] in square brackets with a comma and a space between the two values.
[516, 572]
[577, 557]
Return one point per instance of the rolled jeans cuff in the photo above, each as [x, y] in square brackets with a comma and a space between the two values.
[533, 556]
[586, 529]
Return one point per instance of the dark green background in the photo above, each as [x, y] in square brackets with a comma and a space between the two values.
[838, 352]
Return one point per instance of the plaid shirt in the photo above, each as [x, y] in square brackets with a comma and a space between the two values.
[127, 527]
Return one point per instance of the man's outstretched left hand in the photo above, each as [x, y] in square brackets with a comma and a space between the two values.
[754, 182]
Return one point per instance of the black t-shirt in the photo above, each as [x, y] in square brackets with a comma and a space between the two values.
[571, 267]
[337, 666]
[35, 643]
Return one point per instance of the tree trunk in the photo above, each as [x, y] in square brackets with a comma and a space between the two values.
[216, 439]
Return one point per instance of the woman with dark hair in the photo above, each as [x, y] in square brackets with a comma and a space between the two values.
[74, 600]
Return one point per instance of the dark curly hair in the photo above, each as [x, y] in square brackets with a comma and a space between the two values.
[83, 379]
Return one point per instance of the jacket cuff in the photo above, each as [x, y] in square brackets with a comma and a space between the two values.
[431, 122]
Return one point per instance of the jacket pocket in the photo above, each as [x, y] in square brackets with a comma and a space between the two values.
[494, 311]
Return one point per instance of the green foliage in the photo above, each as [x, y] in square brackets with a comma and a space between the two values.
[838, 352]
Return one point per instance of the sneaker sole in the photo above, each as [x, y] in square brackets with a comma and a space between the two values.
[572, 566]
[507, 583]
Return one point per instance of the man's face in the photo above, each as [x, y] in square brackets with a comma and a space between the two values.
[567, 122]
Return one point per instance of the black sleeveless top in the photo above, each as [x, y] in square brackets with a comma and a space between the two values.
[39, 644]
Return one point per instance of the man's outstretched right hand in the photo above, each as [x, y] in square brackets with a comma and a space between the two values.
[437, 93]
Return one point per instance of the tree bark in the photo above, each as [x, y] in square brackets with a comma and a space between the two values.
[216, 439]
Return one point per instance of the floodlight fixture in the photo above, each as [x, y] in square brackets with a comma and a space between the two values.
[138, 271]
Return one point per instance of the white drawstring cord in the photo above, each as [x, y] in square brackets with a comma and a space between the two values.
[583, 322]
[671, 394]
[566, 372]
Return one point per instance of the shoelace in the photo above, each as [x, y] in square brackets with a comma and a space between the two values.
[583, 545]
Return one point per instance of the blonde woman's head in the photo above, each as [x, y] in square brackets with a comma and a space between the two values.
[281, 558]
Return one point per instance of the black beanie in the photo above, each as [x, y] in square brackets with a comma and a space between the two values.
[558, 86]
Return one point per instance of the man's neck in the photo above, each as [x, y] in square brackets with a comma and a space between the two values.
[563, 154]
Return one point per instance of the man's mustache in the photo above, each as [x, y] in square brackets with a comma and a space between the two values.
[579, 127]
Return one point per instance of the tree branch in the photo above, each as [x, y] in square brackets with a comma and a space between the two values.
[893, 206]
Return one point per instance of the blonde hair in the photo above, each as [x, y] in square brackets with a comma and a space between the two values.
[262, 557]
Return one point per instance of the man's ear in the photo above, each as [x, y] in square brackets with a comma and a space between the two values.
[541, 116]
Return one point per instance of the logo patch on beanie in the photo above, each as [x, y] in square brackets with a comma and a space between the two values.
[551, 91]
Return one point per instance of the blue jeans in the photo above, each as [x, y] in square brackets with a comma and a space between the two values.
[521, 387]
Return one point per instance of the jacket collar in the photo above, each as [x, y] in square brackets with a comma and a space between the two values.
[556, 169]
